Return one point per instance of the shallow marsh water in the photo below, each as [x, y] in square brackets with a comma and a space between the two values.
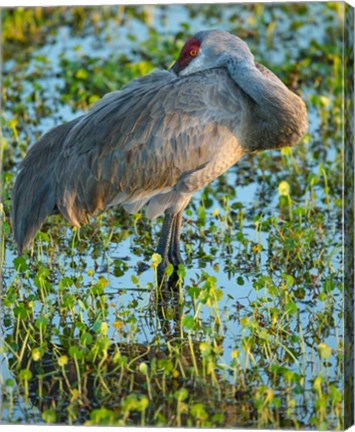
[251, 336]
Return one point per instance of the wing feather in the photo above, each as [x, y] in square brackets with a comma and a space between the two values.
[154, 142]
[141, 143]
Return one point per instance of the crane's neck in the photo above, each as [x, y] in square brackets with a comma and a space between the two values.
[274, 116]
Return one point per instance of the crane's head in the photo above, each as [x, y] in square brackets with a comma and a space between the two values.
[210, 49]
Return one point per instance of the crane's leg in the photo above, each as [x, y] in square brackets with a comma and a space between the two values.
[164, 243]
[174, 248]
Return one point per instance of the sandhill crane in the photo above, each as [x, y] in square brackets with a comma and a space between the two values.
[158, 140]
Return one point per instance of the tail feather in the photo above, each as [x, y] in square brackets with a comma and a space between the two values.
[34, 196]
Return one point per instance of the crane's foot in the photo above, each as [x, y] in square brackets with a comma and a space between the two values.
[161, 269]
[169, 247]
[175, 258]
[174, 255]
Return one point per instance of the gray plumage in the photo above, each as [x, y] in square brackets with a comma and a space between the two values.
[158, 140]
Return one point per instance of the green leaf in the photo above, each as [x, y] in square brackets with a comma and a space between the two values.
[22, 312]
[86, 339]
[198, 411]
[10, 382]
[102, 417]
[181, 271]
[143, 403]
[169, 270]
[49, 416]
[20, 264]
[65, 282]
[205, 348]
[74, 352]
[284, 188]
[102, 282]
[263, 334]
[181, 394]
[82, 74]
[291, 308]
[41, 322]
[188, 321]
[82, 305]
[25, 374]
[143, 368]
[289, 279]
[36, 354]
[166, 365]
[63, 360]
[135, 280]
[156, 260]
[324, 351]
[219, 294]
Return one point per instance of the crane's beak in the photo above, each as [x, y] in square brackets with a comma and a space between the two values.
[176, 68]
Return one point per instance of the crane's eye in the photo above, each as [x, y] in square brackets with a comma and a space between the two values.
[193, 52]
